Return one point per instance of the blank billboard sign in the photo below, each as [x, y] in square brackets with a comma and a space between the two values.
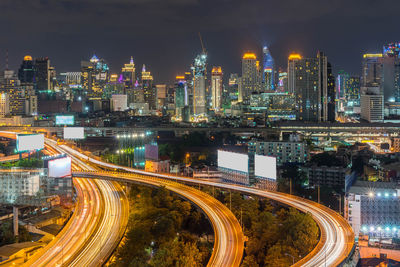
[233, 161]
[265, 166]
[30, 142]
[65, 120]
[74, 133]
[151, 152]
[60, 167]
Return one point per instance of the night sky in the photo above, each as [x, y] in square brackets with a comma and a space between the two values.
[163, 34]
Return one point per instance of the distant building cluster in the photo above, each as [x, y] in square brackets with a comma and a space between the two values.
[305, 90]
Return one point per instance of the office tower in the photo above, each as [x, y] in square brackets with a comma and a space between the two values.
[161, 90]
[293, 58]
[268, 71]
[372, 105]
[128, 73]
[26, 73]
[282, 85]
[181, 96]
[391, 72]
[95, 75]
[353, 89]
[149, 90]
[43, 75]
[216, 88]
[199, 85]
[10, 85]
[313, 88]
[372, 70]
[342, 81]
[4, 104]
[250, 80]
[331, 116]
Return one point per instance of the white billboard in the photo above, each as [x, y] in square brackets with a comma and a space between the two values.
[60, 167]
[233, 161]
[265, 166]
[30, 142]
[74, 133]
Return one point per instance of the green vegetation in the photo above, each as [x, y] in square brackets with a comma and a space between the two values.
[273, 232]
[7, 234]
[163, 230]
[24, 163]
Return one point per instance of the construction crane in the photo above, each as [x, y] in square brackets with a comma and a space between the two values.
[202, 45]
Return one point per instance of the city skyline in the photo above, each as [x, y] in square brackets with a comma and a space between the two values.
[165, 38]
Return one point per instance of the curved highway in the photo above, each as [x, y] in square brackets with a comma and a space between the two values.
[337, 237]
[96, 226]
[229, 238]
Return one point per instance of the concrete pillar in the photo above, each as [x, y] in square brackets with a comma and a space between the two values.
[15, 220]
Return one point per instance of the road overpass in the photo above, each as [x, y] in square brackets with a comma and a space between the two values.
[337, 237]
[291, 126]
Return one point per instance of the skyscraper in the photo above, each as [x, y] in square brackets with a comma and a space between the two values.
[199, 85]
[372, 70]
[149, 90]
[216, 88]
[250, 80]
[181, 97]
[10, 85]
[95, 75]
[42, 74]
[293, 58]
[314, 88]
[26, 72]
[391, 72]
[128, 73]
[268, 71]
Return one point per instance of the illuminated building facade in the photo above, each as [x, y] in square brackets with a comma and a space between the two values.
[282, 85]
[216, 88]
[149, 90]
[4, 104]
[129, 73]
[26, 73]
[268, 71]
[391, 72]
[371, 208]
[10, 85]
[293, 58]
[372, 105]
[250, 80]
[181, 97]
[314, 89]
[95, 75]
[199, 69]
[372, 70]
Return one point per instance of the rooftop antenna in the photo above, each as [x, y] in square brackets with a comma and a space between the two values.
[6, 59]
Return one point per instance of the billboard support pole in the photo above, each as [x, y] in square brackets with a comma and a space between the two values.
[15, 221]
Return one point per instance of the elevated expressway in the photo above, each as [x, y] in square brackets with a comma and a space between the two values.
[96, 226]
[337, 237]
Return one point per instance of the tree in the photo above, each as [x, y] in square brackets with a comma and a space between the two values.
[249, 261]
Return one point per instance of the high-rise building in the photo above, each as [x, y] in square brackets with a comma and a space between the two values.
[161, 96]
[43, 75]
[353, 89]
[372, 104]
[4, 104]
[391, 72]
[216, 88]
[314, 88]
[95, 75]
[26, 73]
[342, 80]
[149, 90]
[199, 69]
[293, 58]
[282, 85]
[129, 74]
[181, 97]
[250, 80]
[10, 85]
[268, 71]
[372, 70]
